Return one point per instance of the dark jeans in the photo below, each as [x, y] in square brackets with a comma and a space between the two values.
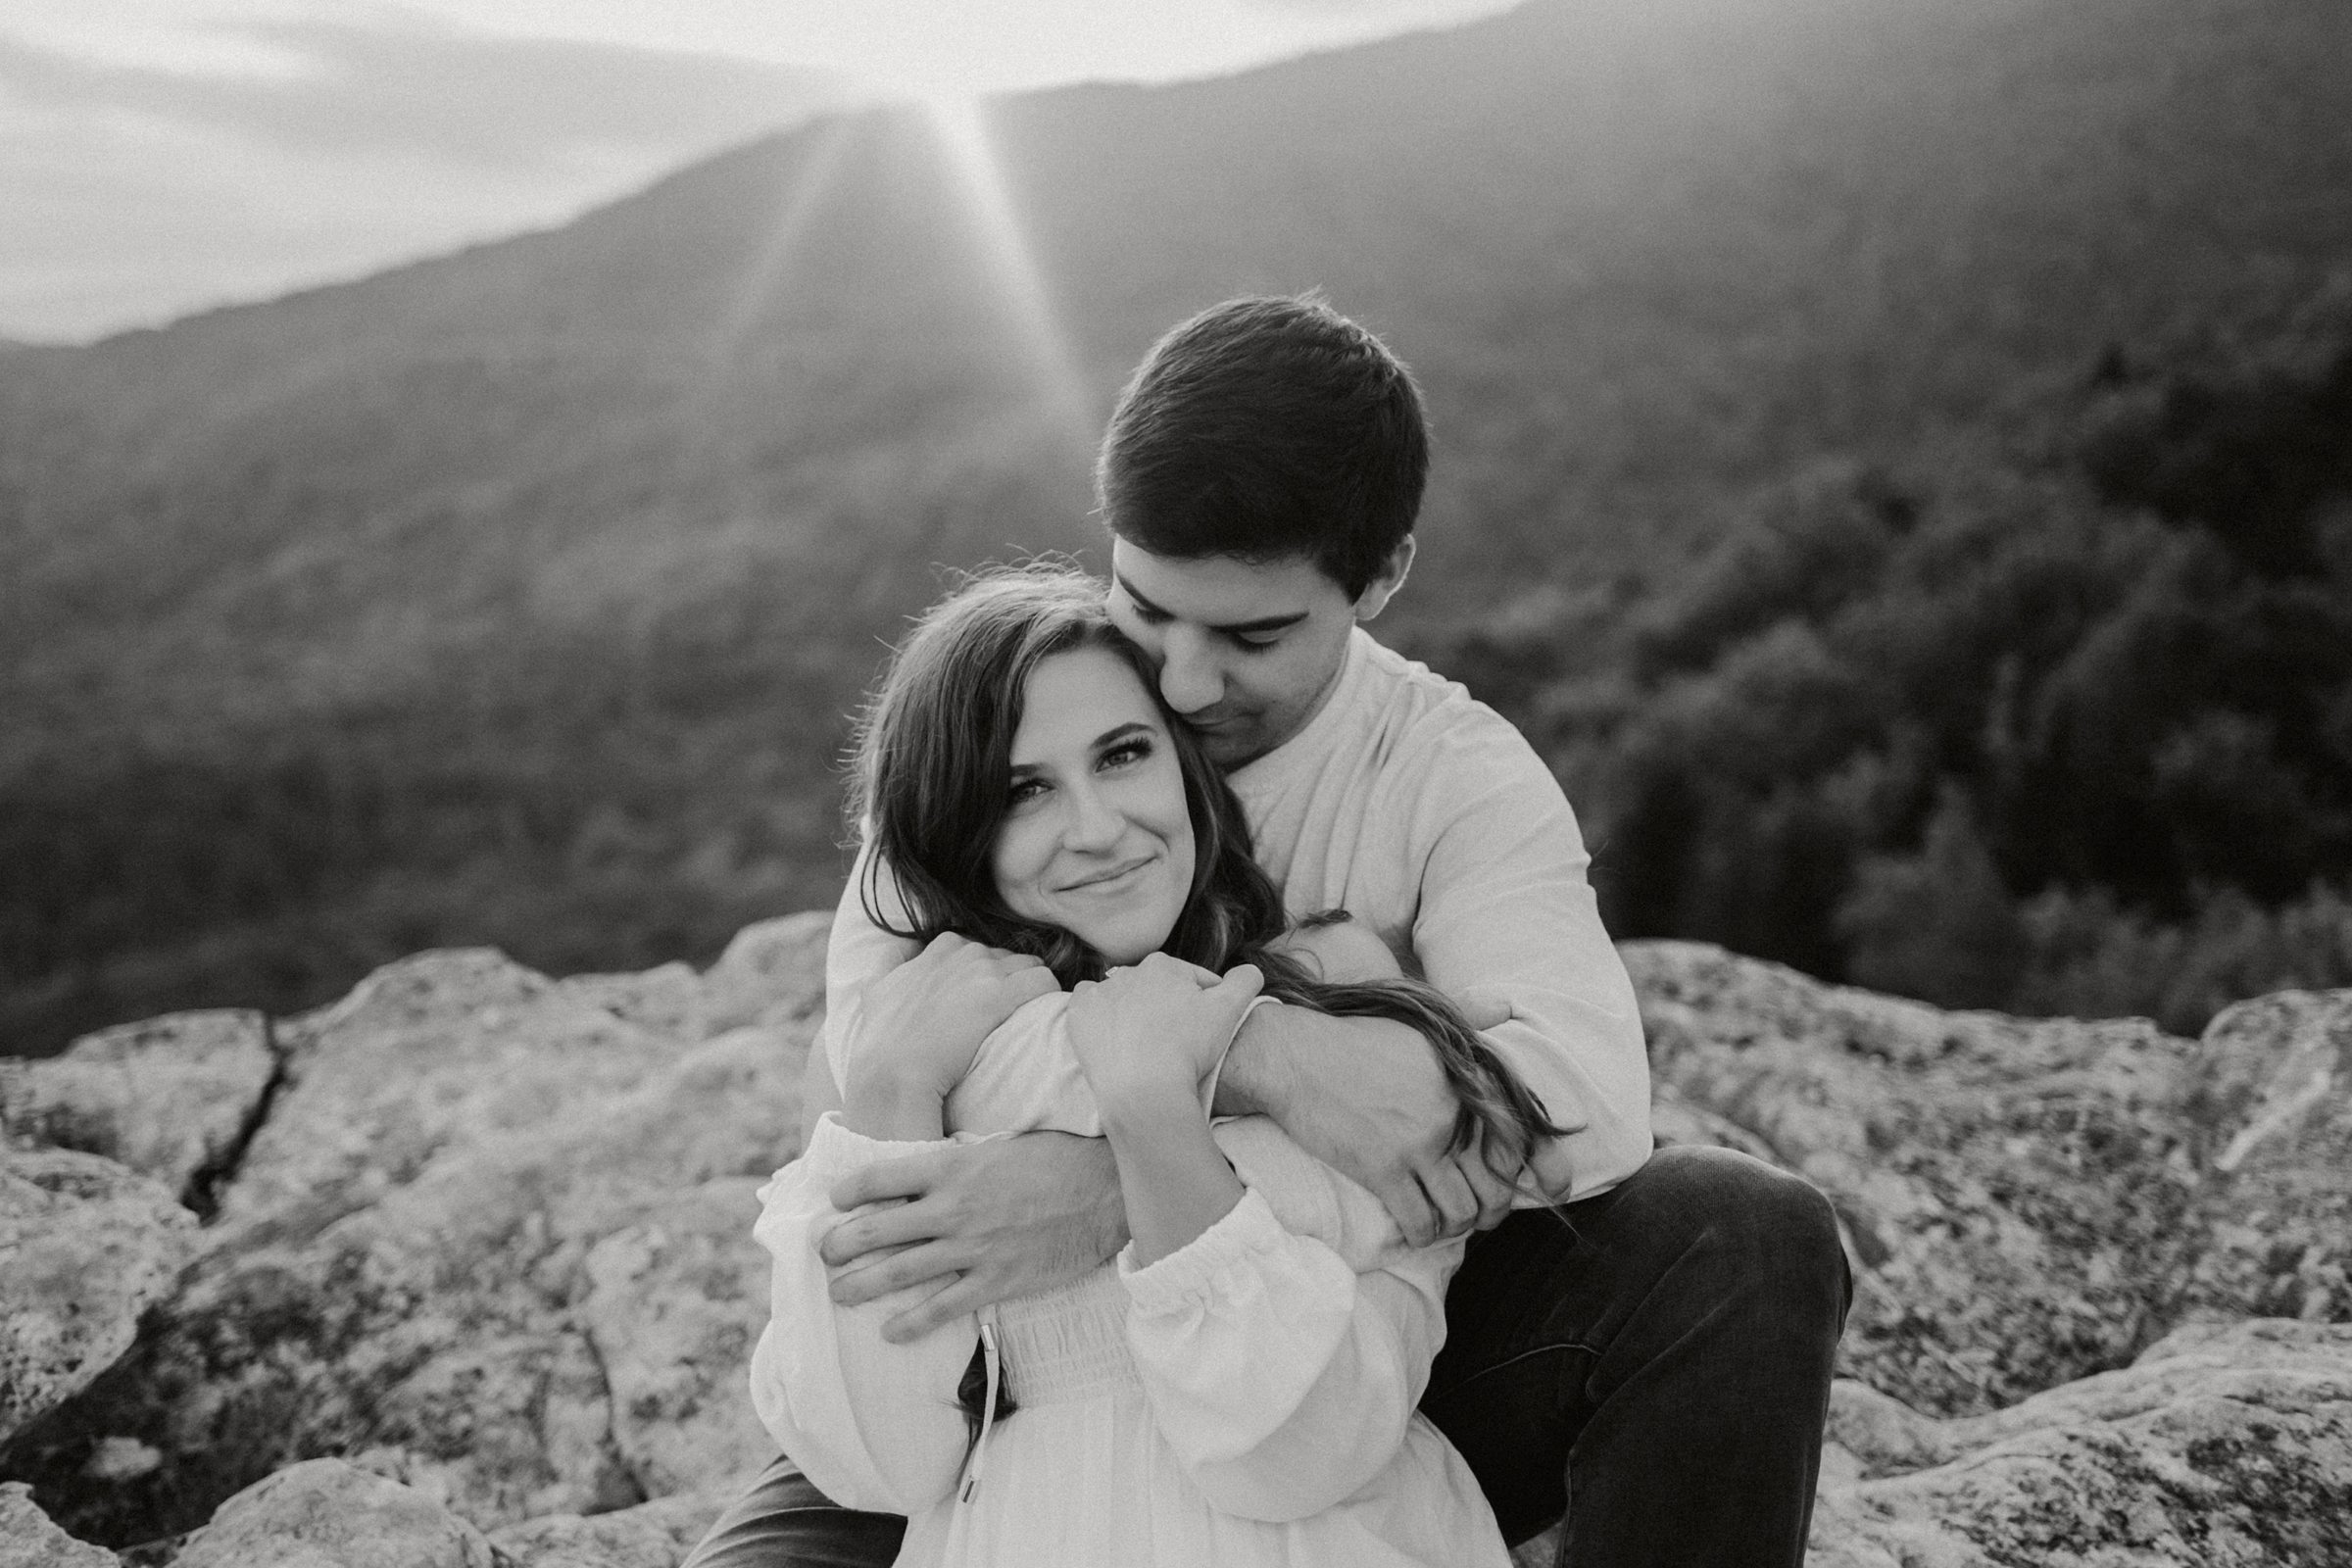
[1654, 1362]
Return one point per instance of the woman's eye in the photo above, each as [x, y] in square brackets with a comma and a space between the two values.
[1126, 752]
[1025, 789]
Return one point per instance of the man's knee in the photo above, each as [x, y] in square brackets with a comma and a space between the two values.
[784, 1522]
[1762, 1229]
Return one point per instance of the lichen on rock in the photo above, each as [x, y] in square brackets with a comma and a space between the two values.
[89, 1246]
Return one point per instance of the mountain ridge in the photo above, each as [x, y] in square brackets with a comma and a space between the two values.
[604, 523]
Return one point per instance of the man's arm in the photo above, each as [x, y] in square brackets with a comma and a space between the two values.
[1508, 915]
[1507, 927]
[1367, 1097]
[1390, 1126]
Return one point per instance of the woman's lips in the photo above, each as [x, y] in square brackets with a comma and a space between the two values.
[1105, 880]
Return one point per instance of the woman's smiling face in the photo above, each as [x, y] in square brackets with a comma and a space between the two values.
[1096, 837]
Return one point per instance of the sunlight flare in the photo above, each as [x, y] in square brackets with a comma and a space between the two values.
[812, 179]
[959, 124]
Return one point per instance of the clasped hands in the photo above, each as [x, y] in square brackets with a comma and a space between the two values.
[960, 1227]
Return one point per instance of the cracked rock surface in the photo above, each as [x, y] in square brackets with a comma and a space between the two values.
[484, 1273]
[170, 1098]
[493, 1244]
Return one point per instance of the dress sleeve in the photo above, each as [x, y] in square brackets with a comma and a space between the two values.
[1281, 1366]
[857, 952]
[875, 1425]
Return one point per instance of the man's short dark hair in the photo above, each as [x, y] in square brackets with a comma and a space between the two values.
[1266, 428]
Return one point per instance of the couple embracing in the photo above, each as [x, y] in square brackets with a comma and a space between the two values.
[1230, 1135]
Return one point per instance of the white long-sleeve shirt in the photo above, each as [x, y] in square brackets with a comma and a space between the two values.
[1248, 1399]
[1427, 816]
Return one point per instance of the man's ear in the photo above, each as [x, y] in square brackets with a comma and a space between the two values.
[1380, 589]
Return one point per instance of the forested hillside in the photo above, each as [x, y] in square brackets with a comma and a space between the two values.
[516, 596]
[2053, 716]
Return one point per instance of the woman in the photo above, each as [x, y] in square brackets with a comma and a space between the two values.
[1238, 1385]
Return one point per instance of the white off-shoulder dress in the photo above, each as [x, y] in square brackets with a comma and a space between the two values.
[1246, 1400]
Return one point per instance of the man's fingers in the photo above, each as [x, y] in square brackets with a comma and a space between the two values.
[1409, 1206]
[959, 1296]
[874, 1227]
[906, 1176]
[1496, 1193]
[864, 1268]
[1453, 1196]
[902, 1268]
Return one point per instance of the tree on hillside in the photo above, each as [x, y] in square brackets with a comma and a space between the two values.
[2063, 731]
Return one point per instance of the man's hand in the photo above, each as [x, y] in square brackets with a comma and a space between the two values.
[973, 1224]
[922, 1023]
[1367, 1097]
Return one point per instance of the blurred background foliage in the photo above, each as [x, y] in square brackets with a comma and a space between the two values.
[2057, 718]
[1894, 461]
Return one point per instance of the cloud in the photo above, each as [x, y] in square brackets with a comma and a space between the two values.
[299, 152]
[410, 87]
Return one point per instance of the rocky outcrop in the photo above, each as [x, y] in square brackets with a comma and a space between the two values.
[493, 1244]
[2223, 1445]
[484, 1271]
[88, 1245]
[323, 1511]
[2028, 1200]
[2112, 1261]
[29, 1540]
[2273, 1099]
[173, 1097]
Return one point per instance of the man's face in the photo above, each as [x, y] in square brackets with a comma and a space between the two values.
[1248, 652]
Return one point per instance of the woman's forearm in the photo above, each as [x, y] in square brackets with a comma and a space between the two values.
[896, 1106]
[1172, 1177]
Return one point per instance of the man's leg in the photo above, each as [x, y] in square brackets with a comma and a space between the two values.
[1658, 1365]
[785, 1522]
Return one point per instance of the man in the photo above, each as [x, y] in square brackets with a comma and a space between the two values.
[1658, 1366]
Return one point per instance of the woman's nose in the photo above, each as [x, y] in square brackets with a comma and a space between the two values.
[1093, 822]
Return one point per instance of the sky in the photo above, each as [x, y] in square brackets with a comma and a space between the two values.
[159, 157]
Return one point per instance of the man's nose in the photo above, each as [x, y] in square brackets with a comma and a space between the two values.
[1188, 678]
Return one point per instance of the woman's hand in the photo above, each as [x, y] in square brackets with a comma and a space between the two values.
[1144, 1038]
[921, 1025]
[1150, 1034]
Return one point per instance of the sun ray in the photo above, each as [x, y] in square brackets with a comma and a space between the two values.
[960, 126]
[811, 182]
